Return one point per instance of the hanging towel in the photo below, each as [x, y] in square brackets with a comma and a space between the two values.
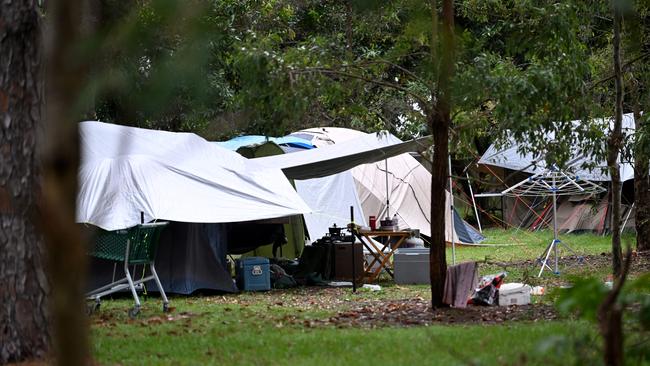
[460, 283]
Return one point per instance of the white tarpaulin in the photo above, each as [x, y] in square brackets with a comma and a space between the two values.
[173, 176]
[509, 157]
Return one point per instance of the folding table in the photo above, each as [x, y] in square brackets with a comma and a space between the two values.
[377, 249]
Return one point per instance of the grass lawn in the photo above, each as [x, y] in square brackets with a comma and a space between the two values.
[276, 327]
[209, 330]
[517, 245]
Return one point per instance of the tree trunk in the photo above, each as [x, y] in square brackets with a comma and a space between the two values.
[440, 122]
[24, 330]
[641, 190]
[66, 252]
[439, 209]
[611, 328]
[610, 318]
[614, 144]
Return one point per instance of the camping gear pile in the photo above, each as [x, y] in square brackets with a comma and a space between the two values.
[487, 292]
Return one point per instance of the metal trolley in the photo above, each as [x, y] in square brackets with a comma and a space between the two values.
[133, 246]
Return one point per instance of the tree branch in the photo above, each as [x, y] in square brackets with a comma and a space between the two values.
[624, 68]
[320, 70]
[404, 70]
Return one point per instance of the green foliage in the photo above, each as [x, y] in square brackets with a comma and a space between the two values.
[528, 73]
[525, 69]
[162, 63]
[583, 297]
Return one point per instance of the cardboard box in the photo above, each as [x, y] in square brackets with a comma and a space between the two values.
[342, 270]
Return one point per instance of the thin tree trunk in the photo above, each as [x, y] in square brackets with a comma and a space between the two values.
[641, 189]
[440, 122]
[67, 255]
[614, 145]
[610, 319]
[24, 320]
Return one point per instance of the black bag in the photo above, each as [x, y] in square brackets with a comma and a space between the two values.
[488, 293]
[280, 278]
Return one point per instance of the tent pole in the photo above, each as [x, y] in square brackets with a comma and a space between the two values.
[451, 210]
[354, 269]
[387, 192]
[471, 192]
[555, 239]
[627, 217]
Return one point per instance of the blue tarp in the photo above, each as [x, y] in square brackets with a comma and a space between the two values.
[290, 141]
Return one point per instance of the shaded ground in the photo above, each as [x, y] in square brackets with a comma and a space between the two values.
[418, 312]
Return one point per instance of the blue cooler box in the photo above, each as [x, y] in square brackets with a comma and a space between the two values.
[253, 274]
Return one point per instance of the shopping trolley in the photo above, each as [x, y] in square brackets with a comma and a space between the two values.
[133, 246]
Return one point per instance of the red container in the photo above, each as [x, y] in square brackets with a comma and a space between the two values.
[373, 223]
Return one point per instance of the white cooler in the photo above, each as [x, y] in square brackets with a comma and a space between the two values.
[514, 294]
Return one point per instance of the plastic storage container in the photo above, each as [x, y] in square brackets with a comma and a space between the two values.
[514, 294]
[253, 274]
[411, 266]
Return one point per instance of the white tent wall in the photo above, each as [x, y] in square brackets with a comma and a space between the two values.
[331, 198]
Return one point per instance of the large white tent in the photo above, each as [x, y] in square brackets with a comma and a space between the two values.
[409, 183]
[173, 176]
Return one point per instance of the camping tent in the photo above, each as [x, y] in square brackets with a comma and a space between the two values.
[409, 183]
[510, 157]
[330, 197]
[575, 214]
[182, 178]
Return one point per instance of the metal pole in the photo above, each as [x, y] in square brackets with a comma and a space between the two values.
[451, 208]
[387, 193]
[354, 269]
[555, 239]
[471, 192]
[627, 217]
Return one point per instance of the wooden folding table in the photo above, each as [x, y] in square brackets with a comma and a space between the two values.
[377, 250]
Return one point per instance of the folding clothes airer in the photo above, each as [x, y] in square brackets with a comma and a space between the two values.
[551, 182]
